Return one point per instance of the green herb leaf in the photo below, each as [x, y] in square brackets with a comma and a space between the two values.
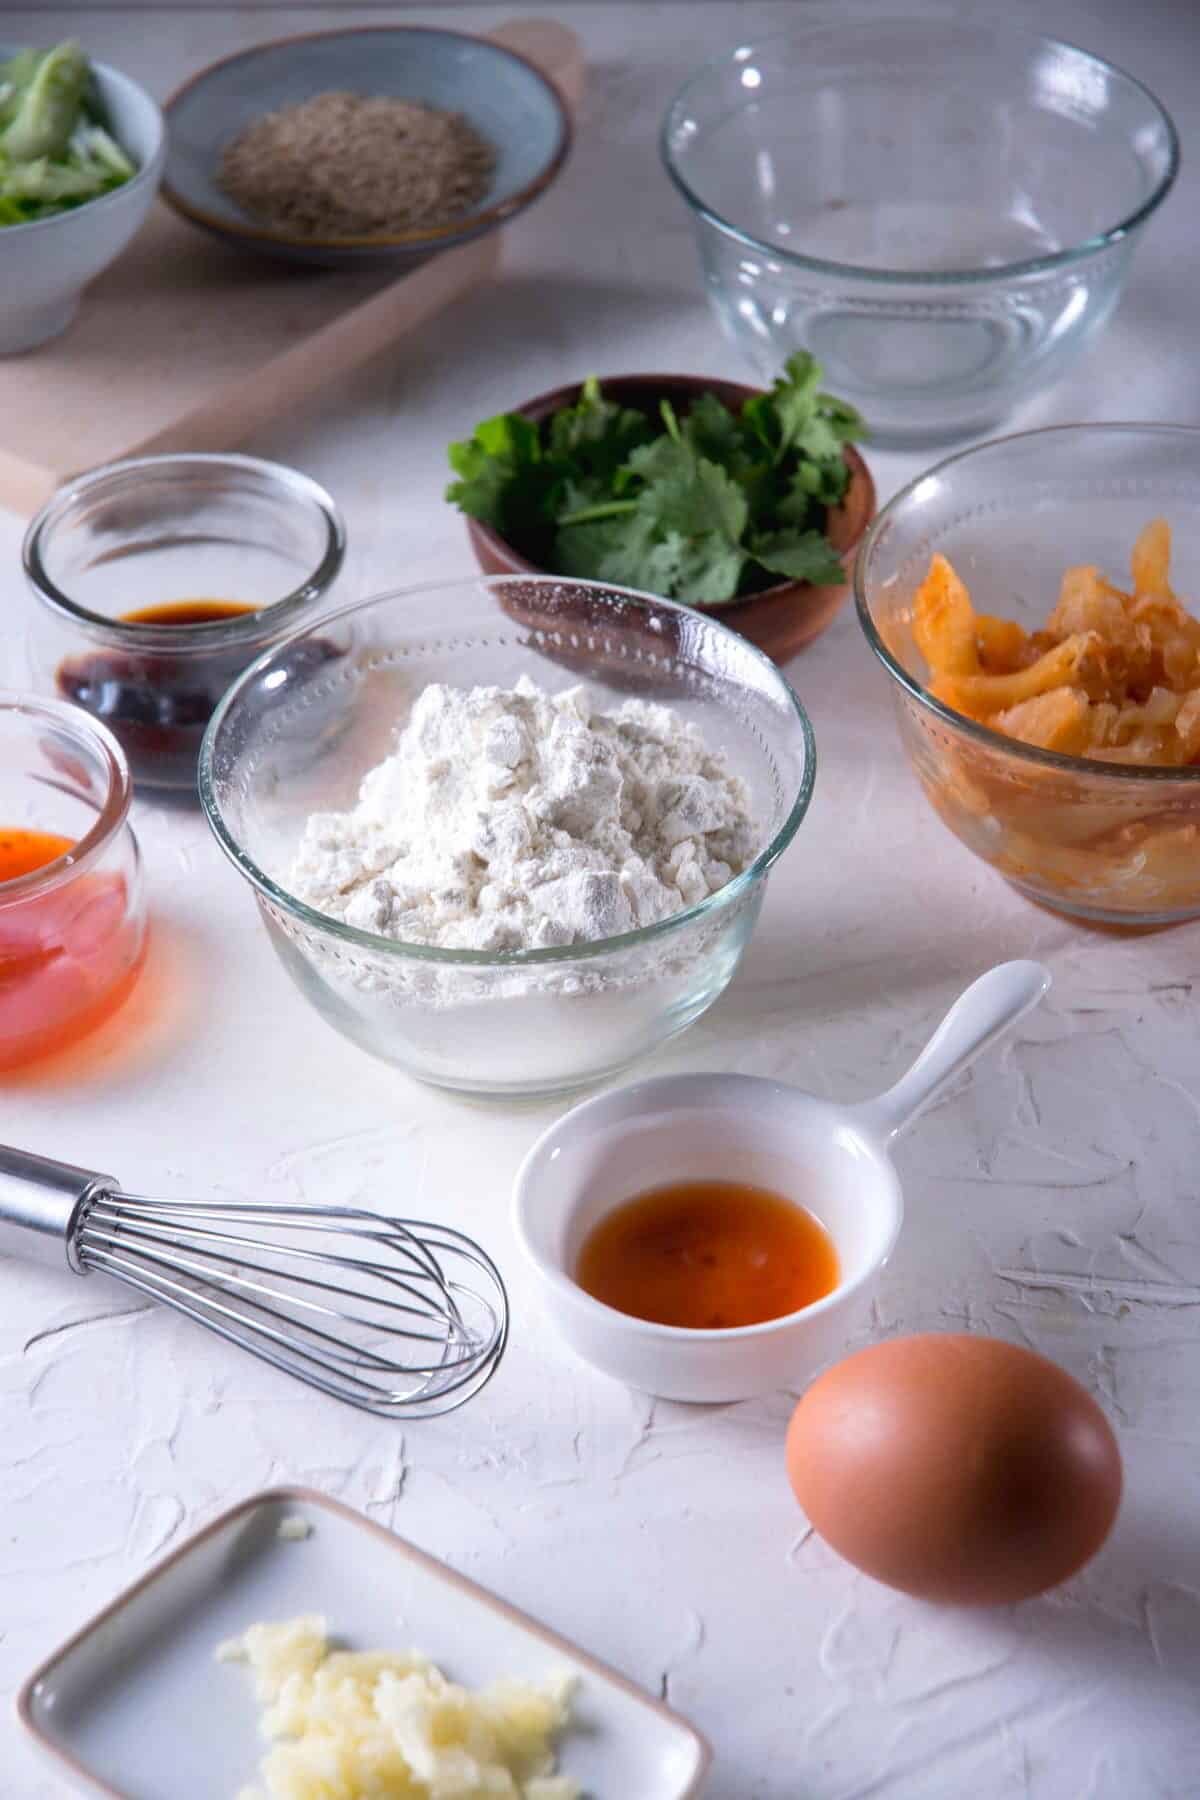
[692, 499]
[793, 401]
[582, 494]
[846, 420]
[812, 490]
[510, 436]
[798, 555]
[796, 417]
[596, 435]
[688, 493]
[626, 550]
[710, 570]
[503, 481]
[712, 431]
[680, 536]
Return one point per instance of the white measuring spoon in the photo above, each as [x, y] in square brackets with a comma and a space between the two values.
[832, 1159]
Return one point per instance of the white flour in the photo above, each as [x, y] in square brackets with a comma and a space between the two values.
[508, 819]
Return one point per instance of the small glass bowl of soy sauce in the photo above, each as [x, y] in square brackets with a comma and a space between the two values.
[160, 579]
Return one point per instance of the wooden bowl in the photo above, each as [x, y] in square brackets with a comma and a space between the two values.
[781, 620]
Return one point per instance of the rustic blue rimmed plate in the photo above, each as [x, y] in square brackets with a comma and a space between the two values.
[504, 96]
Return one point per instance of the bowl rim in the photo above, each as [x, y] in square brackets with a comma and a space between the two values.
[543, 405]
[549, 956]
[239, 628]
[951, 278]
[556, 1275]
[111, 817]
[467, 224]
[983, 734]
[148, 173]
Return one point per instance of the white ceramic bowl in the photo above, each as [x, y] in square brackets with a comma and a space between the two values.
[833, 1160]
[709, 1128]
[45, 266]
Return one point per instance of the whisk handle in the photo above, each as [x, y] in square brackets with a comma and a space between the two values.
[41, 1204]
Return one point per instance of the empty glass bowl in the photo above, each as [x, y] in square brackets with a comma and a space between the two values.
[1110, 844]
[300, 729]
[941, 211]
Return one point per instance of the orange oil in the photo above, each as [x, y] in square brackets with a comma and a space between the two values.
[709, 1255]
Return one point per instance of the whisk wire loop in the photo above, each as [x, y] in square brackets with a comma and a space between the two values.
[398, 1316]
[394, 1316]
[99, 1231]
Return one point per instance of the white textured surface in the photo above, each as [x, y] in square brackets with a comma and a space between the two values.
[1052, 1196]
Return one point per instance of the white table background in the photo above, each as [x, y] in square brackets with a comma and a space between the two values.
[1053, 1196]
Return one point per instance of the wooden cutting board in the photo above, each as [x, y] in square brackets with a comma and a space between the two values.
[188, 344]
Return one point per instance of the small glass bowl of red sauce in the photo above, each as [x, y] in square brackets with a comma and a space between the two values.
[161, 578]
[72, 904]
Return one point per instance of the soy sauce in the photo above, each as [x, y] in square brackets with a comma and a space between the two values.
[156, 703]
[187, 612]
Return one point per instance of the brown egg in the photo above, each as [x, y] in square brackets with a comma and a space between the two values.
[955, 1468]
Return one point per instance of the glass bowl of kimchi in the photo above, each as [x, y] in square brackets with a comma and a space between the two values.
[1035, 602]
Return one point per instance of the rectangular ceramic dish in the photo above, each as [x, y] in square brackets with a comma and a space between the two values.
[134, 1706]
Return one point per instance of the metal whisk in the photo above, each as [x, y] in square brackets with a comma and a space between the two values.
[396, 1316]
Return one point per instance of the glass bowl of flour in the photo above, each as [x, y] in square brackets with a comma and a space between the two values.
[509, 833]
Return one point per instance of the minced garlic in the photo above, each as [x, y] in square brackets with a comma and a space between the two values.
[387, 1725]
[293, 1528]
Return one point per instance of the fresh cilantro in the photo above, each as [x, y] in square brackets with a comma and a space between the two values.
[626, 550]
[703, 508]
[503, 477]
[798, 555]
[713, 431]
[595, 434]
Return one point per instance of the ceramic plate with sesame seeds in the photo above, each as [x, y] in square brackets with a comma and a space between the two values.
[511, 101]
[136, 1706]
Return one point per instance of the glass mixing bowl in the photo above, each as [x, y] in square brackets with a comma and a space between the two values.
[300, 729]
[942, 211]
[1113, 845]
